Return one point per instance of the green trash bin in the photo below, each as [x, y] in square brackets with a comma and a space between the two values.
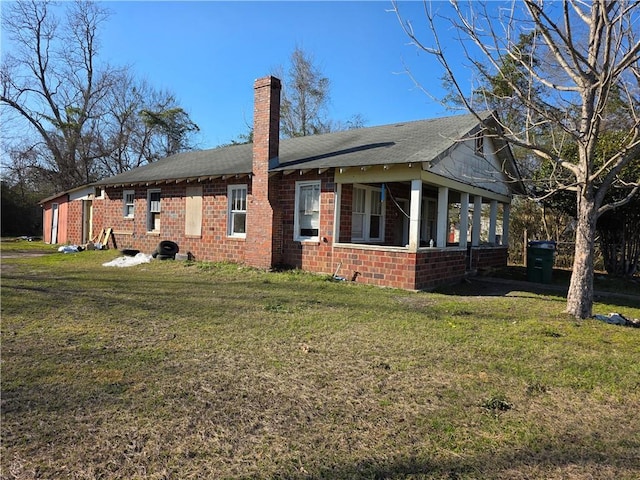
[540, 261]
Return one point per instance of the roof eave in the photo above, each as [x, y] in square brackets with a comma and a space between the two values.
[169, 181]
[66, 192]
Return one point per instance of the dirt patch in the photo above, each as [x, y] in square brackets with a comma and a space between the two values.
[15, 254]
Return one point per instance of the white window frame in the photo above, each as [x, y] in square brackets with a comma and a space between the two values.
[153, 209]
[367, 214]
[233, 210]
[358, 214]
[125, 211]
[297, 234]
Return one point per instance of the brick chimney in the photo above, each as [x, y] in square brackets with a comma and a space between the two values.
[266, 122]
[264, 222]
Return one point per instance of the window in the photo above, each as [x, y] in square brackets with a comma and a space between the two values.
[307, 214]
[153, 210]
[237, 212]
[359, 213]
[128, 197]
[367, 220]
[375, 218]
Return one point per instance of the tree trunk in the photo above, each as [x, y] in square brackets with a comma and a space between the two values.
[580, 296]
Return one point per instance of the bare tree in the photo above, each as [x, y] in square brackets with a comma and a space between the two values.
[579, 56]
[54, 85]
[78, 119]
[141, 125]
[305, 101]
[305, 96]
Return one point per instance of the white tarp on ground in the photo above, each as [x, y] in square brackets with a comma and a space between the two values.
[69, 249]
[129, 261]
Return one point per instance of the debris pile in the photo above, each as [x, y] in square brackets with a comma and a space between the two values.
[617, 319]
[80, 248]
[166, 250]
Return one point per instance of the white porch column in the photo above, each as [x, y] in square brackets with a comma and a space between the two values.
[477, 220]
[443, 217]
[464, 219]
[414, 215]
[493, 218]
[337, 201]
[506, 209]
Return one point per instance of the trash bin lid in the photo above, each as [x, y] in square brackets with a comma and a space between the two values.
[550, 244]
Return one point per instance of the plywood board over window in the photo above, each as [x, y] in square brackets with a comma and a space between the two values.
[193, 212]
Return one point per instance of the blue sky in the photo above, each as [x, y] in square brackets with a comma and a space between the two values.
[209, 54]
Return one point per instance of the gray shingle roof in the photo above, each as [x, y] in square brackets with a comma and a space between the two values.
[408, 142]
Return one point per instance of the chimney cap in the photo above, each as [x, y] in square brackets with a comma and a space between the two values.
[268, 80]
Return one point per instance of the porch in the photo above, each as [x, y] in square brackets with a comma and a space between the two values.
[417, 234]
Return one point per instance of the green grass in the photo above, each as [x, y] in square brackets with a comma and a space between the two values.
[203, 370]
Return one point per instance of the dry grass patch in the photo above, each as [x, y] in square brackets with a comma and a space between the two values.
[174, 370]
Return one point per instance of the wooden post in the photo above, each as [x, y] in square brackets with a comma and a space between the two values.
[524, 248]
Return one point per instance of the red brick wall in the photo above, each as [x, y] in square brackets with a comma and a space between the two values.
[376, 267]
[311, 256]
[74, 222]
[395, 268]
[98, 216]
[345, 213]
[400, 269]
[440, 267]
[212, 245]
[486, 257]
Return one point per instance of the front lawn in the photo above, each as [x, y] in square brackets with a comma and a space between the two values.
[195, 370]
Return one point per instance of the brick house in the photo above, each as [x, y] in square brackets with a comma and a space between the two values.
[409, 205]
[68, 217]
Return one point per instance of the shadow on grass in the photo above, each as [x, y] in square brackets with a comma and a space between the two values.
[512, 282]
[485, 287]
[575, 456]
